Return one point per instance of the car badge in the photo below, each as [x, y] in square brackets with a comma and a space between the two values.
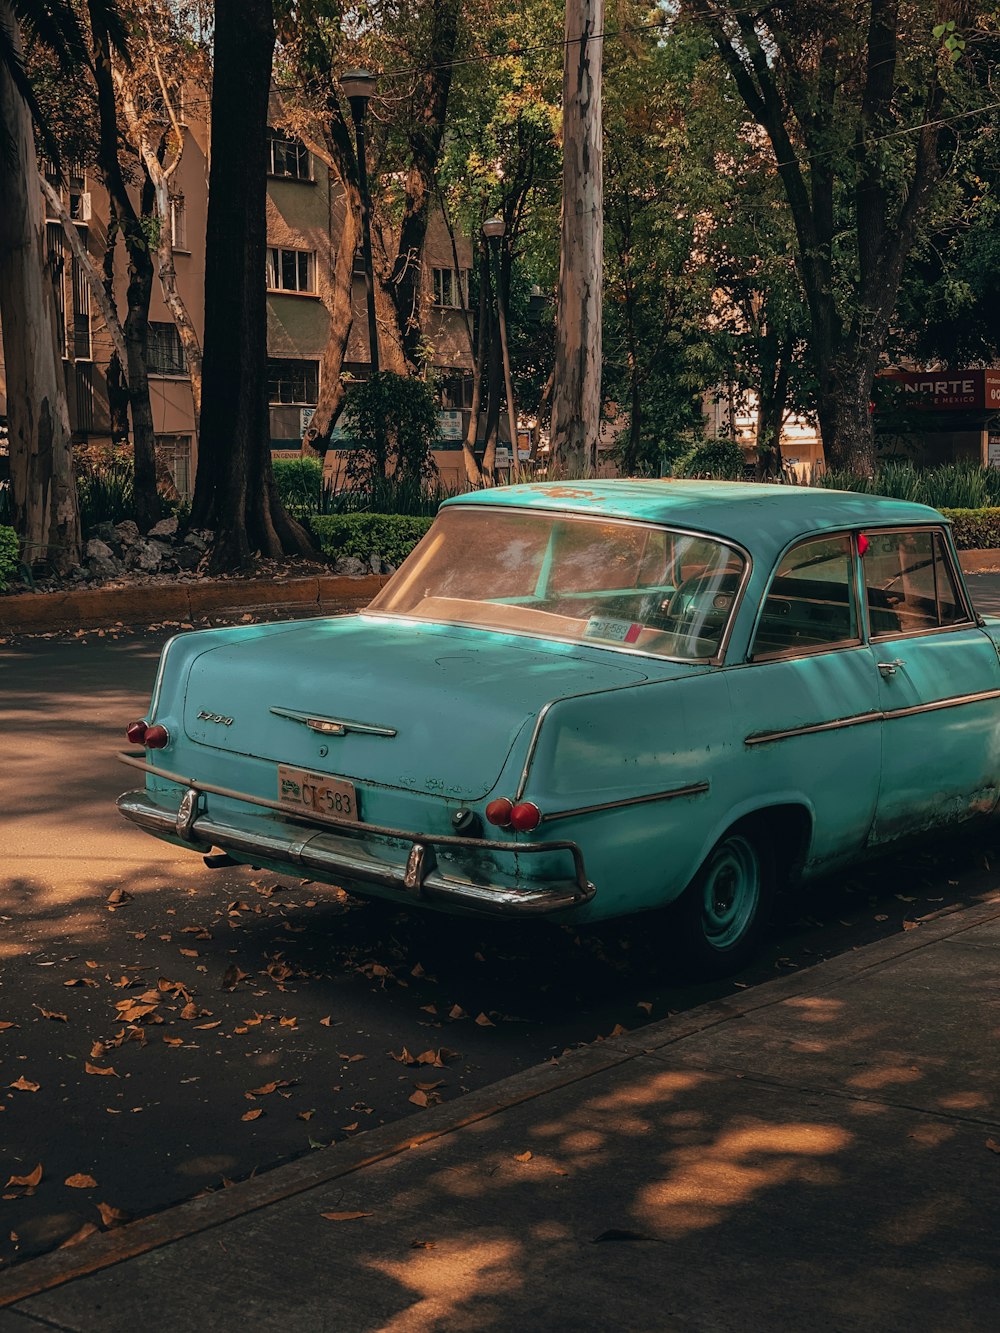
[333, 726]
[205, 716]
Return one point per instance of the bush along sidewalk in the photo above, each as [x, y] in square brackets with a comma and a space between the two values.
[975, 529]
[367, 543]
[8, 556]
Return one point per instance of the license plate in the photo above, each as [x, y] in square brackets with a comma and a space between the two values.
[313, 791]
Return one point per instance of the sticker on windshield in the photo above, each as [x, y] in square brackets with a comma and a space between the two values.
[616, 631]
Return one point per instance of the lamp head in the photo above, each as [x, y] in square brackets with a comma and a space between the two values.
[494, 228]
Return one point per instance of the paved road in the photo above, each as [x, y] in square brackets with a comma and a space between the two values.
[278, 1013]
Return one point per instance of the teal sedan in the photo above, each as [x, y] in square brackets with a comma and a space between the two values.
[590, 699]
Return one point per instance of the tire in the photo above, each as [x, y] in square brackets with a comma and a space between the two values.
[721, 918]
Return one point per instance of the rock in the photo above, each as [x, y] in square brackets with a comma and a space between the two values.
[167, 527]
[128, 533]
[150, 557]
[198, 539]
[97, 550]
[351, 566]
[187, 557]
[104, 532]
[376, 563]
[104, 567]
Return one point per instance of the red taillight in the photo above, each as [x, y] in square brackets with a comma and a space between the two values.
[499, 812]
[136, 732]
[524, 817]
[157, 737]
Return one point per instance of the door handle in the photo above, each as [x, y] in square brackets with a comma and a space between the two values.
[889, 668]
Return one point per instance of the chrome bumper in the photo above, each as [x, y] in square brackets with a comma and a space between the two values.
[345, 850]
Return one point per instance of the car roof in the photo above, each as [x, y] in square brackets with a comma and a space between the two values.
[747, 512]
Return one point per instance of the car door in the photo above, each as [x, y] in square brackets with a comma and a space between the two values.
[938, 684]
[807, 699]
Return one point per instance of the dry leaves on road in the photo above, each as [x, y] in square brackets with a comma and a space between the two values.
[24, 1085]
[107, 1071]
[51, 1013]
[111, 1217]
[523, 1156]
[253, 1115]
[993, 1145]
[343, 1217]
[29, 1181]
[80, 1182]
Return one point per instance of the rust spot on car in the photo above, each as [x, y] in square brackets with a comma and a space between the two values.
[567, 492]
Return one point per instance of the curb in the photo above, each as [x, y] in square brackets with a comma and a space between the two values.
[144, 604]
[979, 562]
[179, 1221]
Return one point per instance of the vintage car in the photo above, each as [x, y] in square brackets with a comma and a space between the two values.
[586, 700]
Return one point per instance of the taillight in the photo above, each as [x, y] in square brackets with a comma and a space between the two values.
[136, 732]
[499, 812]
[524, 817]
[157, 737]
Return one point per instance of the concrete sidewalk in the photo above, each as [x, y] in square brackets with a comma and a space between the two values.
[821, 1152]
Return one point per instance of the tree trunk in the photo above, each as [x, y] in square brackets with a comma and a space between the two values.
[140, 276]
[115, 374]
[576, 395]
[772, 396]
[46, 510]
[234, 489]
[845, 417]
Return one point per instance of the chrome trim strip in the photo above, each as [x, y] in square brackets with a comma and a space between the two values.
[584, 888]
[332, 726]
[958, 627]
[888, 715]
[693, 789]
[856, 720]
[956, 701]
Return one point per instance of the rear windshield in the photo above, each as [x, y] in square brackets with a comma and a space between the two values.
[606, 582]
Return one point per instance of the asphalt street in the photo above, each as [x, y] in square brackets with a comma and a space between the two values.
[166, 1029]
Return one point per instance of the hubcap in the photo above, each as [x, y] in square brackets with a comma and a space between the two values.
[731, 892]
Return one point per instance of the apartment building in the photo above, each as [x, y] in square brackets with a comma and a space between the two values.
[304, 207]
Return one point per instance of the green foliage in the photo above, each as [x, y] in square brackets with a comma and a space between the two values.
[975, 529]
[414, 496]
[300, 484]
[106, 488]
[390, 536]
[395, 426]
[720, 459]
[951, 486]
[9, 558]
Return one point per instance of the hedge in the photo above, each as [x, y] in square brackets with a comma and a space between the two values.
[390, 536]
[8, 555]
[975, 529]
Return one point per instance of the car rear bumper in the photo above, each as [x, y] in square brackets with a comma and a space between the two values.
[349, 853]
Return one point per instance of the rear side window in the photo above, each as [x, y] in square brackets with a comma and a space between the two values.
[811, 603]
[909, 583]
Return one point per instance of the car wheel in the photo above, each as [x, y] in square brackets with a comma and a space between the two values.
[720, 919]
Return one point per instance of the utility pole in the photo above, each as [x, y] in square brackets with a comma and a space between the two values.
[576, 387]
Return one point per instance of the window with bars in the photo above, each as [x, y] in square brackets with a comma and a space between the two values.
[82, 349]
[55, 262]
[178, 222]
[291, 270]
[451, 288]
[165, 352]
[288, 157]
[292, 381]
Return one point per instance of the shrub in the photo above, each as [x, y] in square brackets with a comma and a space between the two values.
[9, 559]
[721, 460]
[952, 485]
[975, 529]
[390, 536]
[394, 425]
[300, 484]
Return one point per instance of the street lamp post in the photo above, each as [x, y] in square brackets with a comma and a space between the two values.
[358, 86]
[493, 230]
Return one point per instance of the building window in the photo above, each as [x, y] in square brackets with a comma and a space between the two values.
[290, 381]
[451, 288]
[455, 390]
[81, 307]
[56, 265]
[178, 222]
[165, 354]
[288, 157]
[291, 270]
[173, 453]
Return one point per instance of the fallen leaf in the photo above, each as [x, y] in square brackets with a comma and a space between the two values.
[419, 1098]
[288, 1022]
[88, 1229]
[253, 1115]
[350, 1059]
[618, 1031]
[645, 1004]
[204, 1027]
[326, 1022]
[992, 1144]
[24, 1085]
[29, 1181]
[910, 925]
[106, 1072]
[82, 981]
[190, 953]
[5, 1024]
[305, 1115]
[111, 1217]
[80, 1182]
[429, 1087]
[881, 916]
[523, 1157]
[173, 1041]
[421, 1245]
[118, 897]
[343, 1217]
[350, 1128]
[456, 1011]
[50, 1013]
[484, 1022]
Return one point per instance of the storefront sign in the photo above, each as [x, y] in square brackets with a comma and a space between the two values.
[948, 390]
[993, 449]
[450, 425]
